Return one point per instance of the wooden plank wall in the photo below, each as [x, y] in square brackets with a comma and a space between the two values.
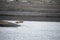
[31, 5]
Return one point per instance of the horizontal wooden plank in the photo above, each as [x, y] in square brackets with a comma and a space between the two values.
[29, 13]
[32, 18]
[30, 5]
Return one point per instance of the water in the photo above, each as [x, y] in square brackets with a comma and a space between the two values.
[32, 30]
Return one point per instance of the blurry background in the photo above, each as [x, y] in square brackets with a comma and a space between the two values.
[46, 10]
[41, 19]
[31, 5]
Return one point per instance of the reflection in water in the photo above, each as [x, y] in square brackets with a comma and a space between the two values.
[7, 23]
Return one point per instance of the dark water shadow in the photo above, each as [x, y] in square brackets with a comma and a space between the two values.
[9, 25]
